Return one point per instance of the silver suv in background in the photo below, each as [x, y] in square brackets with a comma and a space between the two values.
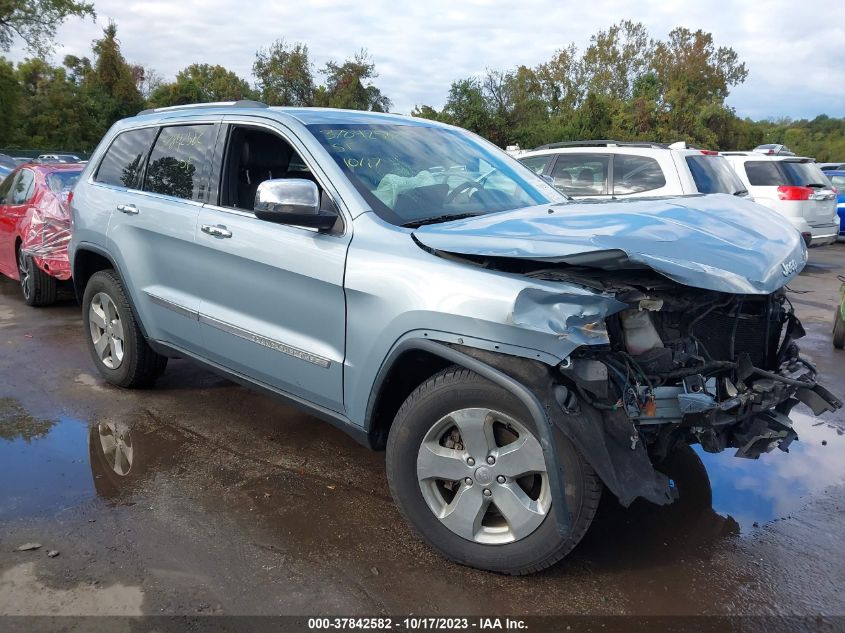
[617, 169]
[514, 352]
[793, 186]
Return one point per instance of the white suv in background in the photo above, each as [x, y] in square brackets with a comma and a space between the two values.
[793, 186]
[616, 169]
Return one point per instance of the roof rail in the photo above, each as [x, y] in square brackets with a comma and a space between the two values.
[603, 143]
[243, 103]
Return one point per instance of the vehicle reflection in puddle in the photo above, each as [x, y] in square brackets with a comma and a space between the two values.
[777, 484]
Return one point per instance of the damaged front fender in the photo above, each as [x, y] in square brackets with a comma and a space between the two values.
[605, 439]
[577, 318]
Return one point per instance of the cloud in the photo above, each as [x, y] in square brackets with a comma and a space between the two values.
[420, 48]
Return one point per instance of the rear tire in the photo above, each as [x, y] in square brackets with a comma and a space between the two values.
[838, 330]
[115, 341]
[499, 535]
[38, 288]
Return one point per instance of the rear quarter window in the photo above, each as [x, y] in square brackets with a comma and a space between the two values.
[635, 174]
[123, 164]
[764, 174]
[713, 174]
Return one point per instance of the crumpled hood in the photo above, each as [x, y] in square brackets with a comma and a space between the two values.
[717, 242]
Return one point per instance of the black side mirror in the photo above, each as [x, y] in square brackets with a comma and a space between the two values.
[293, 201]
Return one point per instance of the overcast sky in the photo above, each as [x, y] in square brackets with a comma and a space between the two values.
[793, 49]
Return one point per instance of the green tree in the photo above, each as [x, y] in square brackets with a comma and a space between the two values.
[10, 103]
[349, 85]
[35, 21]
[201, 83]
[466, 106]
[693, 74]
[616, 58]
[50, 116]
[113, 81]
[284, 73]
[561, 80]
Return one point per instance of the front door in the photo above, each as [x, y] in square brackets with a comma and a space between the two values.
[273, 305]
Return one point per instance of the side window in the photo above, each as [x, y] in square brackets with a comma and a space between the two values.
[763, 173]
[6, 188]
[178, 160]
[23, 187]
[634, 174]
[123, 164]
[581, 174]
[537, 164]
[253, 156]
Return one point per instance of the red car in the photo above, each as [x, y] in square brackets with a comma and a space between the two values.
[35, 228]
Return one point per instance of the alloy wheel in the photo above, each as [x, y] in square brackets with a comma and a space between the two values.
[25, 273]
[106, 330]
[483, 475]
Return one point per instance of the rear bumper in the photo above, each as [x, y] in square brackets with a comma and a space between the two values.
[823, 234]
[56, 265]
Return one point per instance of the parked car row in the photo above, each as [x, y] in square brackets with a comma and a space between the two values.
[515, 352]
[772, 176]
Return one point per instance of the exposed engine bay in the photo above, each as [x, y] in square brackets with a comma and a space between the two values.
[695, 366]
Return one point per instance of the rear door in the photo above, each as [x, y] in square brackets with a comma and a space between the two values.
[164, 174]
[273, 306]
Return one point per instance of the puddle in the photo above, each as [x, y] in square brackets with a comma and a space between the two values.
[43, 464]
[47, 466]
[778, 484]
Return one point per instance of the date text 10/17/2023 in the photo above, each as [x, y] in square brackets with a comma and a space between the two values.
[417, 623]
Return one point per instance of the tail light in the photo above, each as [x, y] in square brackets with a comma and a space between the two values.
[709, 152]
[794, 193]
[69, 199]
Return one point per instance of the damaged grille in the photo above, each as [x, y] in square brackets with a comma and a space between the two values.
[751, 327]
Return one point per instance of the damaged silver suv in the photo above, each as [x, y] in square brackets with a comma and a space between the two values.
[515, 352]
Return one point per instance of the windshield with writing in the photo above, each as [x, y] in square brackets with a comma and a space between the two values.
[412, 174]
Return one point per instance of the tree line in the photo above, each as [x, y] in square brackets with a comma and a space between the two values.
[624, 85]
[627, 85]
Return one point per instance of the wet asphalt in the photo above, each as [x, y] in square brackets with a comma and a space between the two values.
[237, 504]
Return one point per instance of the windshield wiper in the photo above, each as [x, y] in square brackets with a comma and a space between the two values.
[740, 192]
[448, 217]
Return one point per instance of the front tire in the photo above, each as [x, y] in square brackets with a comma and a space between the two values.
[38, 288]
[466, 470]
[115, 341]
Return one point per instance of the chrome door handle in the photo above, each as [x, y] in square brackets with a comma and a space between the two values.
[216, 231]
[128, 209]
